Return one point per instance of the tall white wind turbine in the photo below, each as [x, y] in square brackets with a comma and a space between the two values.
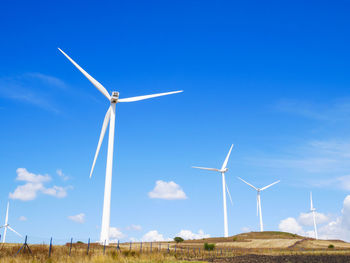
[109, 119]
[7, 226]
[258, 200]
[223, 170]
[313, 210]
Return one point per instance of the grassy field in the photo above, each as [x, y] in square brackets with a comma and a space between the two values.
[248, 247]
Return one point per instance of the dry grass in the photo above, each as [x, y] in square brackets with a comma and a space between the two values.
[79, 255]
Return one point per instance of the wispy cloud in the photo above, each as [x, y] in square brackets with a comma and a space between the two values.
[32, 88]
[79, 218]
[337, 110]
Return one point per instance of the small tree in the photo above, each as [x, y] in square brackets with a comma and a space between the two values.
[331, 246]
[209, 247]
[178, 239]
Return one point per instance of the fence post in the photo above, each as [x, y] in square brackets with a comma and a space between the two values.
[151, 247]
[88, 247]
[50, 248]
[104, 247]
[130, 246]
[159, 247]
[70, 247]
[118, 247]
[141, 247]
[175, 248]
[168, 248]
[24, 246]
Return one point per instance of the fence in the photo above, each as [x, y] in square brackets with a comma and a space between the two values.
[178, 250]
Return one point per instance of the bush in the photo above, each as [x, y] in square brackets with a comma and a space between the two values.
[209, 247]
[331, 246]
[178, 239]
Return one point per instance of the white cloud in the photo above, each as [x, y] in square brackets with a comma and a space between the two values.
[187, 234]
[79, 218]
[167, 190]
[291, 225]
[245, 229]
[339, 228]
[34, 185]
[26, 192]
[22, 218]
[134, 227]
[115, 233]
[56, 191]
[62, 175]
[152, 235]
[24, 175]
[306, 219]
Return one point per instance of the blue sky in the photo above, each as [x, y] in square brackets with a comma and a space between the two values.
[271, 78]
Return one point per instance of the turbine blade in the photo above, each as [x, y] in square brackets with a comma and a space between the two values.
[311, 204]
[248, 183]
[270, 185]
[14, 231]
[229, 195]
[132, 99]
[103, 131]
[7, 213]
[94, 82]
[205, 168]
[257, 204]
[227, 157]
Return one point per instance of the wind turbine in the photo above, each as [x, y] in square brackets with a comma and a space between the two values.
[7, 226]
[109, 119]
[223, 170]
[313, 210]
[258, 200]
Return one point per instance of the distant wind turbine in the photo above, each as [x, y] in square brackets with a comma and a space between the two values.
[313, 210]
[258, 200]
[109, 119]
[7, 226]
[223, 170]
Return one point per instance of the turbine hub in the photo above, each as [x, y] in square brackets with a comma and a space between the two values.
[114, 97]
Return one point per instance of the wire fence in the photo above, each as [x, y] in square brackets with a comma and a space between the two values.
[183, 250]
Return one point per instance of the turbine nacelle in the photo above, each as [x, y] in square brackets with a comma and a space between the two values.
[223, 170]
[114, 97]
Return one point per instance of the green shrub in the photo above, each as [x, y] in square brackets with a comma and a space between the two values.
[209, 247]
[80, 242]
[178, 239]
[331, 246]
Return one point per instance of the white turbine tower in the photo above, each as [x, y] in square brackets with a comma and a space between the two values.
[258, 200]
[109, 119]
[313, 210]
[223, 170]
[7, 226]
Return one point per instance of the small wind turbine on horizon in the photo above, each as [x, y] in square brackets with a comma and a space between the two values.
[258, 200]
[223, 170]
[313, 210]
[7, 226]
[109, 119]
